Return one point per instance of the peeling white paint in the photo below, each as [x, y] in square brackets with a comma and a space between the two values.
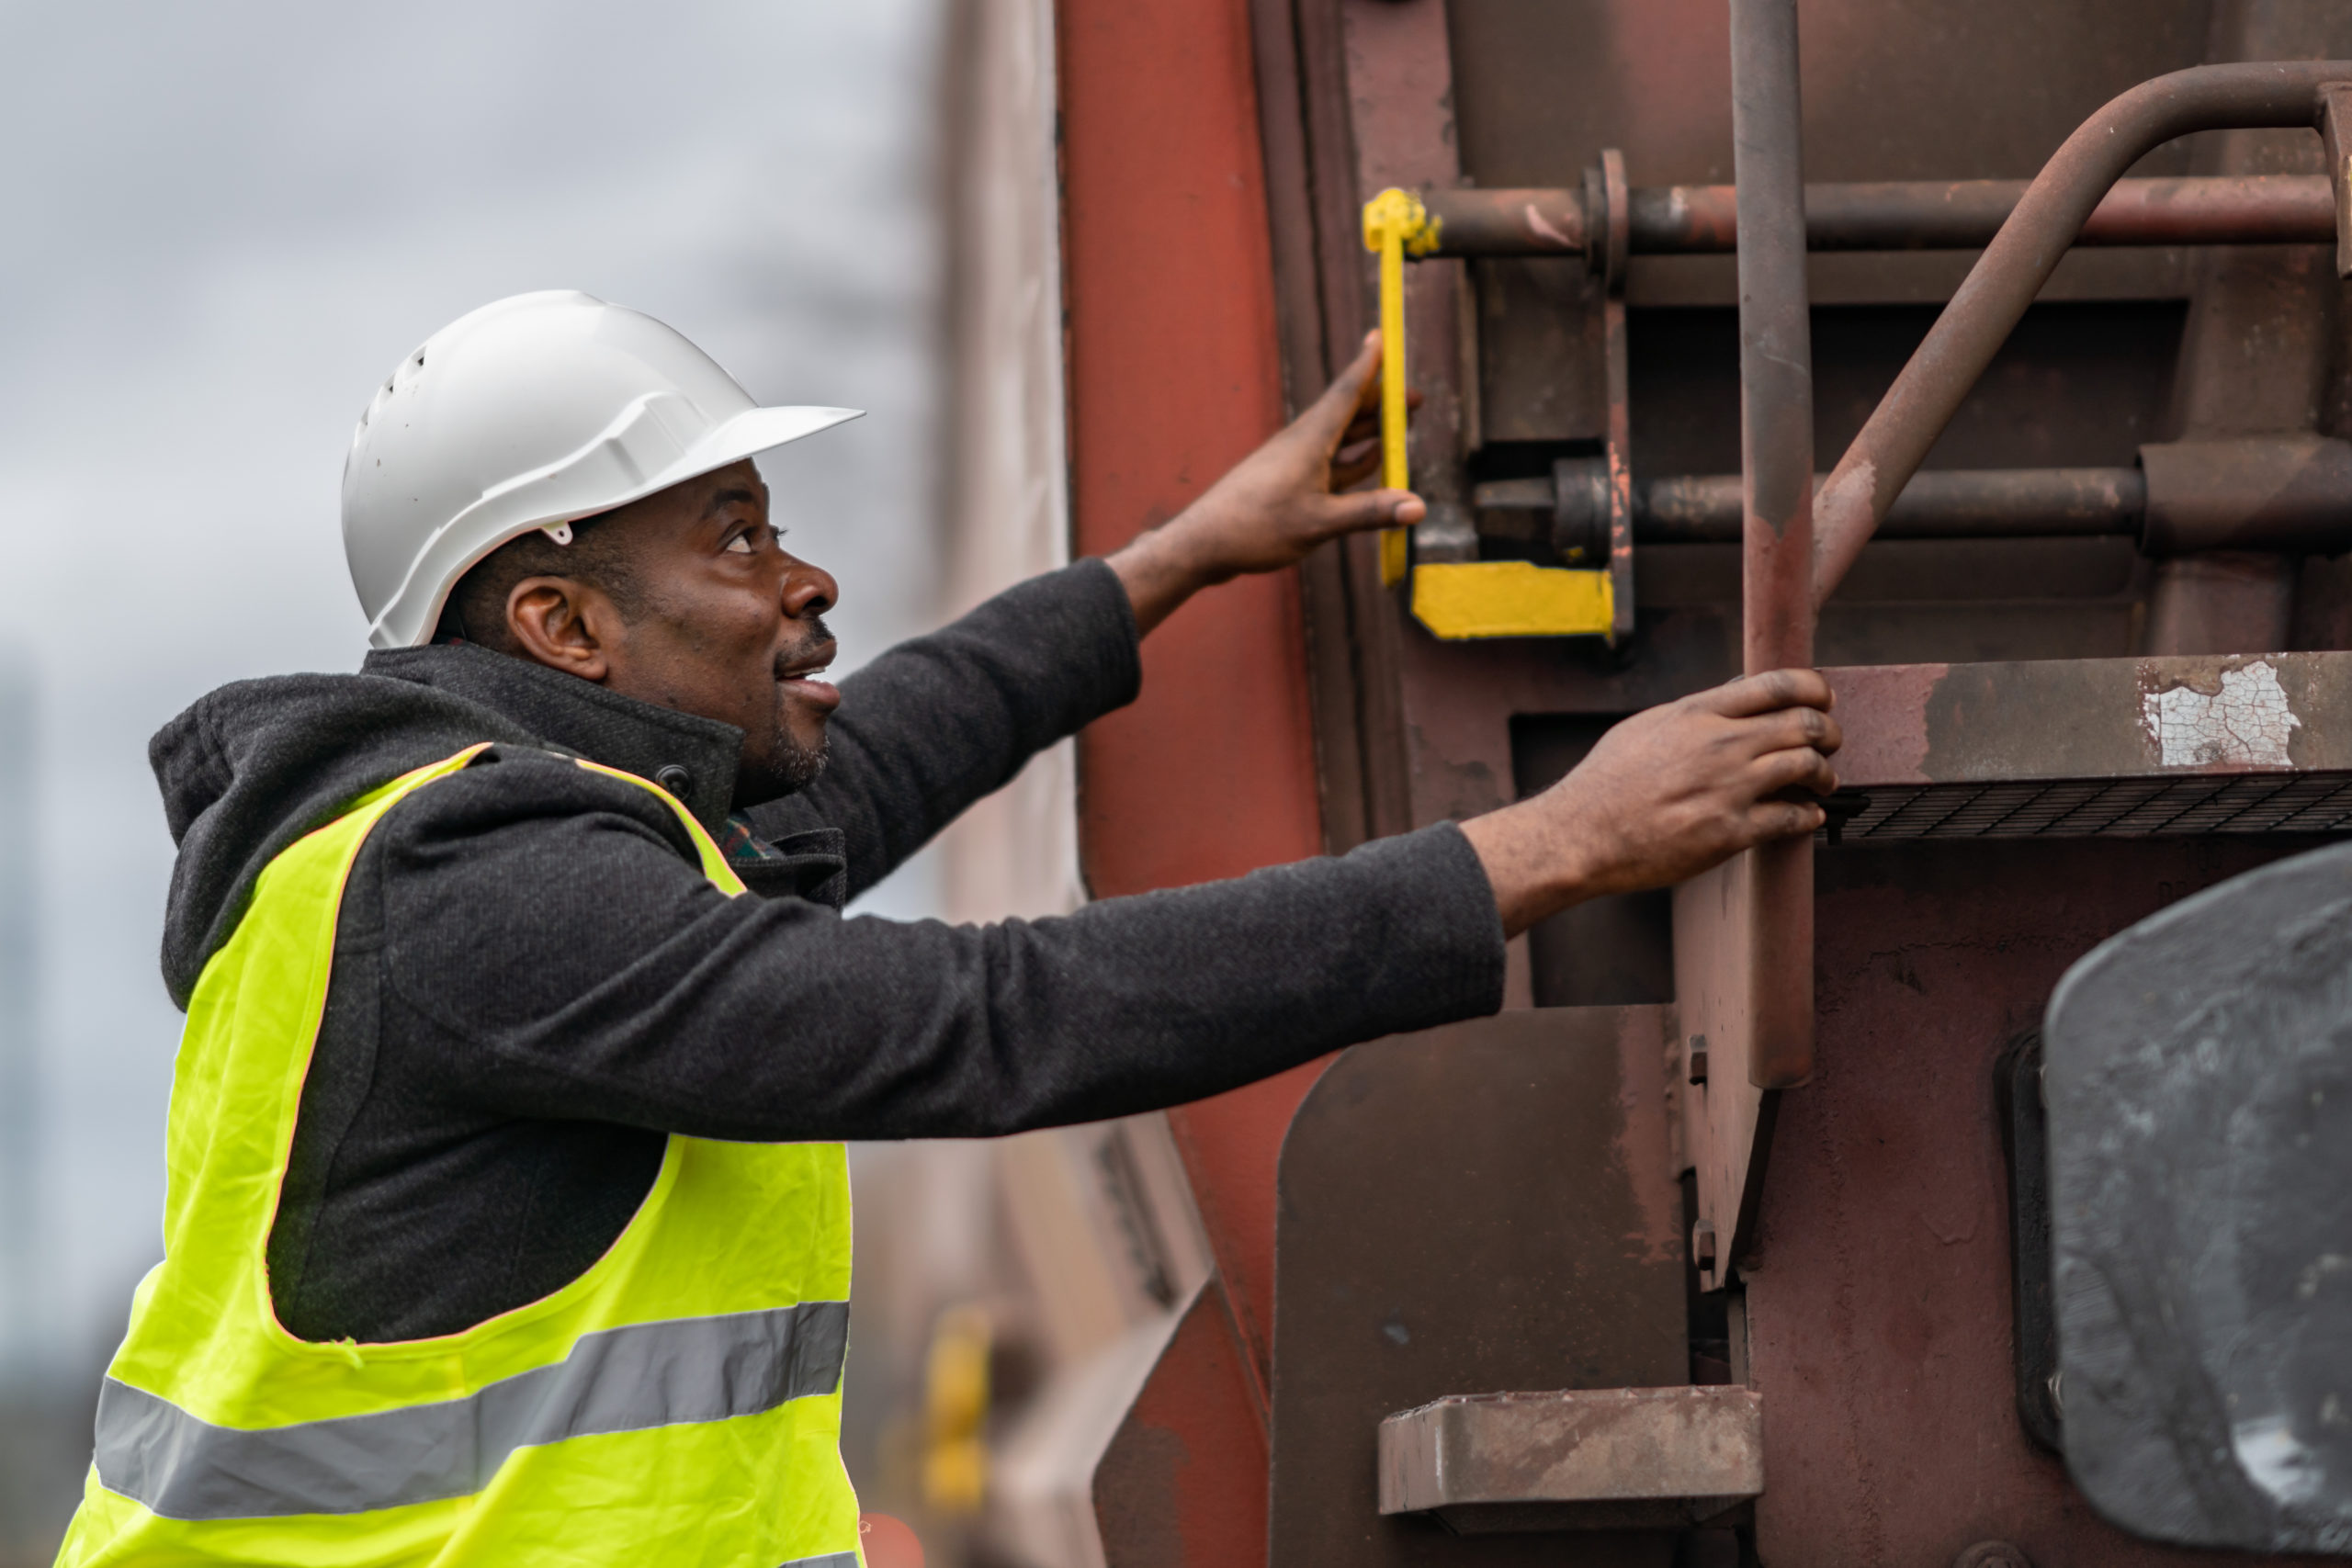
[1535, 221]
[1846, 492]
[2246, 723]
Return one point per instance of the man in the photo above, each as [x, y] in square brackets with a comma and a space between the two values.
[507, 1218]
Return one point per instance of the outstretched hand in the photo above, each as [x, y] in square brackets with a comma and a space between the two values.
[1666, 795]
[1271, 509]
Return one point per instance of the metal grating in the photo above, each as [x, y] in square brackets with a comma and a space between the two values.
[2082, 808]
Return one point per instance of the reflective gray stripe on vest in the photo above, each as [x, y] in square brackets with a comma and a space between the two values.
[620, 1380]
[830, 1560]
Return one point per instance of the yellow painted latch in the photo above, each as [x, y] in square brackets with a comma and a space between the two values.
[1394, 221]
[1459, 599]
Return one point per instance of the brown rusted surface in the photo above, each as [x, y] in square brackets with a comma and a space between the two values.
[2221, 602]
[1576, 1459]
[1937, 504]
[1182, 1481]
[1472, 222]
[1776, 461]
[2286, 492]
[2014, 266]
[2097, 747]
[1283, 113]
[1727, 1121]
[1401, 94]
[1619, 452]
[1482, 1207]
[2094, 719]
[1894, 215]
[2256, 356]
[2335, 137]
[1877, 1302]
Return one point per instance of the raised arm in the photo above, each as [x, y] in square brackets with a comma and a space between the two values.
[939, 721]
[1277, 504]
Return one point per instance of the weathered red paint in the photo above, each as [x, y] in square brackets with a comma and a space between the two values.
[1174, 376]
[1184, 1480]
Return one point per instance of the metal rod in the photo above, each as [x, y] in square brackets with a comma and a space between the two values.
[1940, 504]
[2013, 268]
[1775, 336]
[1896, 215]
[1776, 459]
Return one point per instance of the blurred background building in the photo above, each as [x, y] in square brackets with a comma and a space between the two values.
[232, 219]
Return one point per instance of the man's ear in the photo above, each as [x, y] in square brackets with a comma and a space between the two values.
[562, 622]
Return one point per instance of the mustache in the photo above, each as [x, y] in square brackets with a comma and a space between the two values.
[815, 639]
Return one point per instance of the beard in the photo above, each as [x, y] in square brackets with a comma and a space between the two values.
[779, 767]
[795, 766]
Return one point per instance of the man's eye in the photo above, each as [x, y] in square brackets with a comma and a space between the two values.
[742, 545]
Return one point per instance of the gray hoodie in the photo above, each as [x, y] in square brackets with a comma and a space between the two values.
[534, 985]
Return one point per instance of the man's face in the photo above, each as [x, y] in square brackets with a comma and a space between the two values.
[726, 624]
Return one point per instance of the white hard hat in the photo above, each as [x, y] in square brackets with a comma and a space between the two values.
[530, 412]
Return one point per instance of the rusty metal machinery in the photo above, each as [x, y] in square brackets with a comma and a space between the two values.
[1998, 366]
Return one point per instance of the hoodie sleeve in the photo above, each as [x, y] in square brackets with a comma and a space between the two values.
[937, 722]
[550, 952]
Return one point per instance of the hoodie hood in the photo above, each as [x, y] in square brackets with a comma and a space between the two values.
[250, 768]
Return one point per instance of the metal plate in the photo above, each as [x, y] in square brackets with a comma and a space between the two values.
[1878, 1304]
[2114, 748]
[1476, 1209]
[2200, 1111]
[1575, 1459]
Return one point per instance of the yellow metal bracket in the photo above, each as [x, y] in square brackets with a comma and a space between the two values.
[1461, 599]
[1394, 223]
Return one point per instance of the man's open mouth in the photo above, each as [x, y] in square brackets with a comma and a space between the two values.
[804, 678]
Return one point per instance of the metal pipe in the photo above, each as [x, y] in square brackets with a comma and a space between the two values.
[1894, 215]
[2013, 268]
[2009, 503]
[1955, 503]
[1776, 459]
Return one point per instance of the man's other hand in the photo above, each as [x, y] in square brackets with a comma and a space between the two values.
[1666, 795]
[1277, 504]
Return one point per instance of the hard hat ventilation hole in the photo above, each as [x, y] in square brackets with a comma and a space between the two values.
[560, 532]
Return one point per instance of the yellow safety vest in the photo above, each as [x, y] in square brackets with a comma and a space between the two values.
[679, 1403]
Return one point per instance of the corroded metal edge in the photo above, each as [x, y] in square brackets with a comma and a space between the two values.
[1684, 1454]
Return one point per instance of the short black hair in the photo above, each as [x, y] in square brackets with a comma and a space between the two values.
[598, 555]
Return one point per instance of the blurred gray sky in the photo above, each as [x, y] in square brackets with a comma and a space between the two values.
[227, 223]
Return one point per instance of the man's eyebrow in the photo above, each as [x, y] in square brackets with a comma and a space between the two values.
[726, 498]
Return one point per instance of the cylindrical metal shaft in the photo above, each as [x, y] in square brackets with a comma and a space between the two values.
[1776, 459]
[1939, 503]
[1775, 336]
[2008, 503]
[1896, 215]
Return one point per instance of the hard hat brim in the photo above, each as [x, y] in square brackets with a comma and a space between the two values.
[409, 618]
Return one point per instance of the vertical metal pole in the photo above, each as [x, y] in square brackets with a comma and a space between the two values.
[1776, 447]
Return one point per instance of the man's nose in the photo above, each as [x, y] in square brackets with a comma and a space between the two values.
[808, 590]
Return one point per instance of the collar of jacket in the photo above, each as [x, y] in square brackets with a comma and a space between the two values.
[691, 757]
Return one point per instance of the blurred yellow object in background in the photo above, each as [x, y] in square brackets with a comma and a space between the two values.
[955, 1407]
